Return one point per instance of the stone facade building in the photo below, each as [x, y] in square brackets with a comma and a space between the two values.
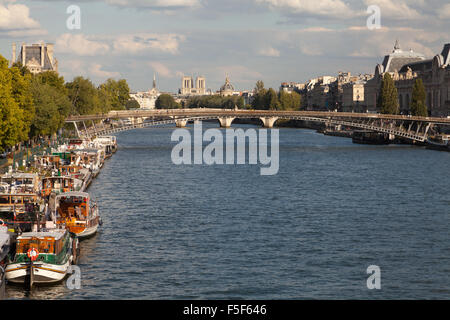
[405, 68]
[37, 57]
[353, 97]
[391, 64]
[189, 87]
[435, 74]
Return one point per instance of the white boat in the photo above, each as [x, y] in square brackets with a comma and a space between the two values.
[77, 213]
[5, 245]
[21, 182]
[56, 250]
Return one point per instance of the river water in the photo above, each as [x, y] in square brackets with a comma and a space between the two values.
[226, 232]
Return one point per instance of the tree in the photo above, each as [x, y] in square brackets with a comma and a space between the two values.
[22, 95]
[11, 116]
[52, 107]
[388, 97]
[166, 101]
[271, 100]
[117, 93]
[84, 97]
[132, 104]
[259, 98]
[289, 101]
[418, 99]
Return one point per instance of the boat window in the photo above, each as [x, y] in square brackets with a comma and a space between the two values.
[4, 200]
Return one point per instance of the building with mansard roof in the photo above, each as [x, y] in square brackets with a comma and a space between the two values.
[37, 57]
[391, 64]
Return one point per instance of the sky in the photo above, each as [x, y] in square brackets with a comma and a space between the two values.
[248, 40]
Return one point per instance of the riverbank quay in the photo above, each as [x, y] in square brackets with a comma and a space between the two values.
[45, 209]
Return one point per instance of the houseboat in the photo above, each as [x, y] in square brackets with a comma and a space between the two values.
[42, 257]
[60, 184]
[5, 247]
[20, 182]
[77, 213]
[92, 159]
[440, 142]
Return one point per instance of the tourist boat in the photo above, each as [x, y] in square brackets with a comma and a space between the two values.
[109, 142]
[89, 158]
[60, 184]
[77, 213]
[78, 172]
[42, 257]
[21, 211]
[5, 246]
[440, 142]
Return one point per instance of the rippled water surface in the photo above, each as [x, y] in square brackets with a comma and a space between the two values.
[226, 232]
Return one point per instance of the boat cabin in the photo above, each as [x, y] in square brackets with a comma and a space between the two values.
[52, 246]
[20, 182]
[60, 184]
[73, 209]
[17, 202]
[48, 162]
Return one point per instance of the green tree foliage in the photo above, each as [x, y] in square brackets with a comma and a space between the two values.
[52, 107]
[117, 94]
[84, 97]
[271, 100]
[259, 99]
[166, 101]
[418, 99]
[132, 104]
[289, 101]
[11, 116]
[388, 97]
[215, 101]
[24, 99]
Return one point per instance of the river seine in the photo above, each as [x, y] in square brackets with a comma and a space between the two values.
[227, 232]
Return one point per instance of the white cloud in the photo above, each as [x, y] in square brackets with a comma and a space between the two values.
[156, 4]
[396, 9]
[16, 17]
[269, 52]
[160, 69]
[81, 45]
[97, 72]
[327, 8]
[136, 44]
[444, 12]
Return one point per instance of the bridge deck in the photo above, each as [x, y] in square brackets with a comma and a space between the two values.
[189, 113]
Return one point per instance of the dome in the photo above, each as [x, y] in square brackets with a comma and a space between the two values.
[227, 86]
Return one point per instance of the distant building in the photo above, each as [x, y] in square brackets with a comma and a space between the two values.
[188, 87]
[37, 57]
[147, 99]
[392, 63]
[290, 87]
[435, 75]
[319, 93]
[353, 97]
[227, 89]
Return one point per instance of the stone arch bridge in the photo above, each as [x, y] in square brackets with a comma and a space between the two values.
[408, 127]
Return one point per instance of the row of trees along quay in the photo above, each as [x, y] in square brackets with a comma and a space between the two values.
[33, 108]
